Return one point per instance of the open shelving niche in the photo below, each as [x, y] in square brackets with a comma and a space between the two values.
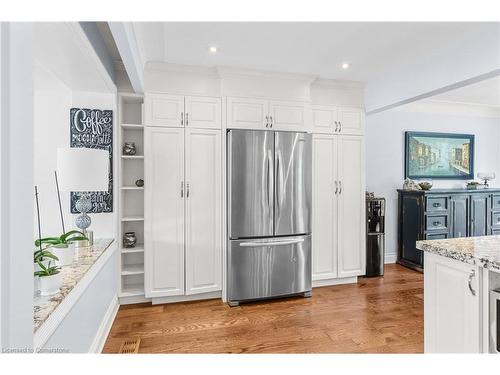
[131, 197]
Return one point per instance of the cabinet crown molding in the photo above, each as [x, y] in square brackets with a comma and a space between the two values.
[230, 71]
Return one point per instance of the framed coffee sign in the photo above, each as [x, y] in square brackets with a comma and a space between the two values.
[93, 128]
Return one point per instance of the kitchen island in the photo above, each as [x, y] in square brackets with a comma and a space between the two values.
[461, 275]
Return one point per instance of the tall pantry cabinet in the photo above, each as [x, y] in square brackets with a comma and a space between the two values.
[183, 195]
[338, 193]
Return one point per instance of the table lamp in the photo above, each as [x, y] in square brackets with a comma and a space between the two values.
[83, 170]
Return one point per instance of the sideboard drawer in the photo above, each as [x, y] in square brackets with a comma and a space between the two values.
[436, 236]
[435, 223]
[496, 201]
[495, 219]
[437, 204]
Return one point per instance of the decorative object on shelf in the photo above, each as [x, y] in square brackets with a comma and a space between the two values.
[93, 129]
[62, 247]
[439, 155]
[425, 185]
[139, 182]
[472, 185]
[129, 148]
[409, 184]
[129, 239]
[50, 279]
[486, 177]
[84, 170]
[369, 194]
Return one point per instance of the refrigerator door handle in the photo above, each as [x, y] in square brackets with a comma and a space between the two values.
[279, 184]
[272, 243]
[270, 174]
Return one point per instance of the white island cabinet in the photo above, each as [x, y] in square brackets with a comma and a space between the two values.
[452, 306]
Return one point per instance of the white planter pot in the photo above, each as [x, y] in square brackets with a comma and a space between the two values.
[50, 285]
[36, 268]
[66, 255]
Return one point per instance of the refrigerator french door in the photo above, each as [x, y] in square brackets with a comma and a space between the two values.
[269, 214]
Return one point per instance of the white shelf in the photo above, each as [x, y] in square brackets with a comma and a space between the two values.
[133, 126]
[132, 290]
[132, 157]
[132, 269]
[132, 250]
[133, 218]
[131, 187]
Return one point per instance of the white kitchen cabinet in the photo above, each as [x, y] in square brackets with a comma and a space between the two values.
[338, 206]
[338, 120]
[166, 110]
[252, 113]
[183, 211]
[164, 212]
[452, 306]
[324, 245]
[351, 206]
[203, 211]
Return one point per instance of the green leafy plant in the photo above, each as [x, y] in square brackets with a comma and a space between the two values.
[47, 271]
[41, 254]
[62, 241]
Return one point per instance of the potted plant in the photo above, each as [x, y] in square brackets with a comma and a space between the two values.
[50, 279]
[43, 256]
[63, 246]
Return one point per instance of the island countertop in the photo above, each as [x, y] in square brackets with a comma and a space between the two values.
[481, 251]
[72, 274]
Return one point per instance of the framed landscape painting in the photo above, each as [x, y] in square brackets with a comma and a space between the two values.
[439, 156]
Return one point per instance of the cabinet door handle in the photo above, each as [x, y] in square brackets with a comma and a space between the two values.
[471, 275]
[271, 120]
[336, 187]
[182, 189]
[187, 190]
[187, 118]
[182, 118]
[436, 204]
[340, 187]
[267, 121]
[340, 126]
[336, 126]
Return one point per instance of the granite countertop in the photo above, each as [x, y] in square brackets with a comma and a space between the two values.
[482, 251]
[71, 274]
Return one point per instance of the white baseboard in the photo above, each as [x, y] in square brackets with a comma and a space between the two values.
[193, 297]
[390, 258]
[328, 282]
[105, 326]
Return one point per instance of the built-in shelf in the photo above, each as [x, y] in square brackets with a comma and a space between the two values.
[133, 218]
[132, 290]
[131, 250]
[132, 126]
[132, 187]
[132, 157]
[132, 269]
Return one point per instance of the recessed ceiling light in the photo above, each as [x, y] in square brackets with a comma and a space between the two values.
[213, 49]
[346, 65]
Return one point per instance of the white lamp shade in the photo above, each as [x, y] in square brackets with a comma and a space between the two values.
[82, 169]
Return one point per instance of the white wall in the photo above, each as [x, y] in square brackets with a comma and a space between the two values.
[53, 101]
[385, 153]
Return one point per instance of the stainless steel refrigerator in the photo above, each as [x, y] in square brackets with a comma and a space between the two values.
[269, 214]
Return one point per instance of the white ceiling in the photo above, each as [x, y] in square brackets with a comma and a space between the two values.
[372, 49]
[485, 93]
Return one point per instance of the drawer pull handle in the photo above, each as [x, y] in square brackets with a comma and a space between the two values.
[471, 275]
[436, 223]
[436, 204]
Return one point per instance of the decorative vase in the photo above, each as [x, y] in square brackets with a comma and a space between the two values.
[139, 183]
[129, 148]
[129, 239]
[50, 285]
[66, 254]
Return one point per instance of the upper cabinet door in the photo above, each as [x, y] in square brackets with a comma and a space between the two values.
[351, 209]
[164, 212]
[247, 113]
[351, 120]
[203, 112]
[203, 211]
[289, 116]
[324, 223]
[164, 110]
[324, 119]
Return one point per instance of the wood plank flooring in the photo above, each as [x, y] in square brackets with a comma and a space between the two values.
[377, 315]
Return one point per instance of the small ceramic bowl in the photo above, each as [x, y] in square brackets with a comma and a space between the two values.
[425, 185]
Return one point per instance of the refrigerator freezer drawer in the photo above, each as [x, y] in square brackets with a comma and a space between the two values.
[269, 267]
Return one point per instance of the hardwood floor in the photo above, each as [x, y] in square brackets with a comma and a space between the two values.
[377, 315]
